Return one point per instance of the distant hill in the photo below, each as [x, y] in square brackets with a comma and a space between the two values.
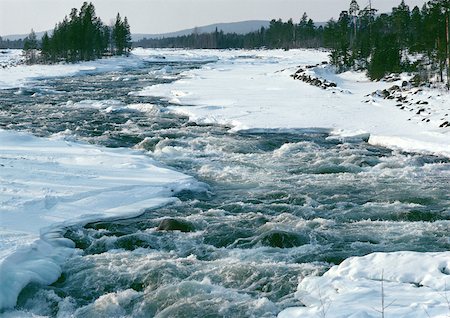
[14, 37]
[241, 27]
[232, 27]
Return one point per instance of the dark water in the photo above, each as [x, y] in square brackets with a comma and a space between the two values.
[280, 206]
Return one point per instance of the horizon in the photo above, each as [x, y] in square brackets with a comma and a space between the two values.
[166, 16]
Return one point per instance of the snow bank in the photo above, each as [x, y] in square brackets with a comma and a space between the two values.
[415, 285]
[254, 89]
[47, 184]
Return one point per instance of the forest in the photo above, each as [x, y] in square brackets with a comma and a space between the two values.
[406, 39]
[80, 37]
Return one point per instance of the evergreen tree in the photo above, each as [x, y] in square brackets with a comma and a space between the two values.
[401, 23]
[121, 35]
[30, 47]
[45, 46]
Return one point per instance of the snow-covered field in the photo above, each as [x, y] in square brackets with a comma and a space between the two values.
[45, 183]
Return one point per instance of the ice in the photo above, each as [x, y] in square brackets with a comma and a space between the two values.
[47, 184]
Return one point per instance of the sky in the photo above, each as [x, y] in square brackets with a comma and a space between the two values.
[160, 16]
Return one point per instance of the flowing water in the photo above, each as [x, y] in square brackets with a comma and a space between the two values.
[280, 206]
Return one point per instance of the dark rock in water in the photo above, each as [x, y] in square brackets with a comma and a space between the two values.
[175, 225]
[132, 242]
[283, 239]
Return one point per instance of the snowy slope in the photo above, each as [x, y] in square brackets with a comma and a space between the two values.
[14, 75]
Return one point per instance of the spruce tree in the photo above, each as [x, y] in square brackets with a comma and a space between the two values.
[30, 46]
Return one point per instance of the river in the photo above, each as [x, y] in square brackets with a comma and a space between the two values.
[280, 205]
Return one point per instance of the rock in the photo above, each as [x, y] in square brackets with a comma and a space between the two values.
[384, 93]
[175, 225]
[283, 239]
[445, 124]
[394, 88]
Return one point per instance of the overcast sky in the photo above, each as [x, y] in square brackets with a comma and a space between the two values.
[159, 16]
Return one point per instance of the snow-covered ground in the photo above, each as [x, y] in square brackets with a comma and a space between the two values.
[254, 89]
[401, 284]
[44, 182]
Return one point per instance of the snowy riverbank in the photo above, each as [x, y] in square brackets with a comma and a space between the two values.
[254, 89]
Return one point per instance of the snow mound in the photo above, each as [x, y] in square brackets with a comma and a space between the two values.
[414, 285]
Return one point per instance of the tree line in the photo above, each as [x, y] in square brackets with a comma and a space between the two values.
[403, 40]
[279, 34]
[11, 44]
[81, 36]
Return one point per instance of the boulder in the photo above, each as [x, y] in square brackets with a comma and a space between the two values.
[283, 239]
[175, 225]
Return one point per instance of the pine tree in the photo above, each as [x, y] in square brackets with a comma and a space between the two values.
[30, 47]
[119, 36]
[127, 35]
[401, 23]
